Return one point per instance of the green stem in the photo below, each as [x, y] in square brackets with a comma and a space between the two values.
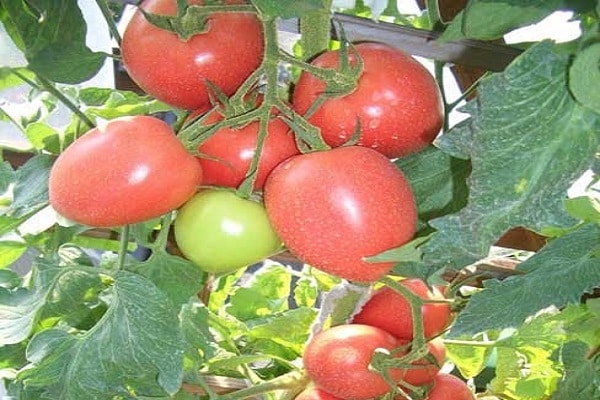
[315, 30]
[471, 343]
[291, 380]
[439, 77]
[433, 11]
[114, 31]
[163, 233]
[123, 244]
[50, 88]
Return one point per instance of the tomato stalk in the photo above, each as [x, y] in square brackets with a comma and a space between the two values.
[123, 244]
[315, 31]
[114, 31]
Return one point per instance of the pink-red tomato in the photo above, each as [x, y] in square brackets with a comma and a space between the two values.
[227, 154]
[449, 387]
[128, 170]
[397, 102]
[315, 393]
[390, 311]
[338, 361]
[427, 368]
[334, 208]
[175, 71]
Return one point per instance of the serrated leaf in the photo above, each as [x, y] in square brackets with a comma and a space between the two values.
[438, 181]
[194, 317]
[530, 141]
[306, 292]
[178, 278]
[53, 34]
[584, 77]
[479, 19]
[340, 304]
[557, 275]
[582, 375]
[112, 103]
[289, 329]
[288, 8]
[31, 188]
[267, 293]
[136, 347]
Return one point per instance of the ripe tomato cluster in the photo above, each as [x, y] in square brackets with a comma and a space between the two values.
[340, 360]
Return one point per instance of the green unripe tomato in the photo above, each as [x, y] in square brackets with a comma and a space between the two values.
[222, 232]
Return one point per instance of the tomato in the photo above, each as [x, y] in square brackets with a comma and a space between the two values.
[426, 368]
[397, 102]
[229, 151]
[334, 208]
[315, 393]
[128, 170]
[174, 71]
[447, 387]
[222, 232]
[338, 359]
[390, 311]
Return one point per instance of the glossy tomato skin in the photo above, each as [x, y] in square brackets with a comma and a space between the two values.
[222, 232]
[334, 208]
[449, 387]
[229, 151]
[315, 393]
[390, 311]
[396, 100]
[174, 71]
[128, 170]
[337, 360]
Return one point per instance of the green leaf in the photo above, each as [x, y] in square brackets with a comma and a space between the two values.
[470, 358]
[266, 294]
[585, 208]
[407, 253]
[340, 304]
[31, 188]
[43, 137]
[530, 141]
[195, 326]
[179, 279]
[8, 79]
[136, 347]
[10, 251]
[306, 292]
[438, 181]
[559, 274]
[111, 103]
[584, 77]
[582, 375]
[480, 18]
[53, 35]
[12, 356]
[289, 329]
[288, 8]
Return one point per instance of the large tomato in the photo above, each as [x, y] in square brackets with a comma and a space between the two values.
[390, 311]
[338, 361]
[125, 171]
[227, 154]
[334, 208]
[396, 101]
[447, 387]
[175, 71]
[221, 232]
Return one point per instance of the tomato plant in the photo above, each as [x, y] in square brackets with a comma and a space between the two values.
[226, 156]
[396, 105]
[226, 39]
[368, 202]
[137, 184]
[390, 311]
[222, 232]
[141, 291]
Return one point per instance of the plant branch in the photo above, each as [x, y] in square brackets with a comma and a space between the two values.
[114, 31]
[291, 380]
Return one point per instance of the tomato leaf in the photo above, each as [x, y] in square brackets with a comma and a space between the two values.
[479, 19]
[340, 304]
[584, 77]
[31, 188]
[137, 346]
[557, 275]
[530, 142]
[179, 279]
[288, 8]
[53, 33]
[585, 208]
[10, 251]
[8, 79]
[289, 329]
[581, 373]
[195, 326]
[469, 358]
[438, 181]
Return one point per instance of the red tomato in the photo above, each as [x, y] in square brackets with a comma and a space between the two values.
[228, 152]
[175, 71]
[128, 170]
[449, 387]
[390, 311]
[334, 208]
[338, 359]
[427, 368]
[397, 102]
[315, 393]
